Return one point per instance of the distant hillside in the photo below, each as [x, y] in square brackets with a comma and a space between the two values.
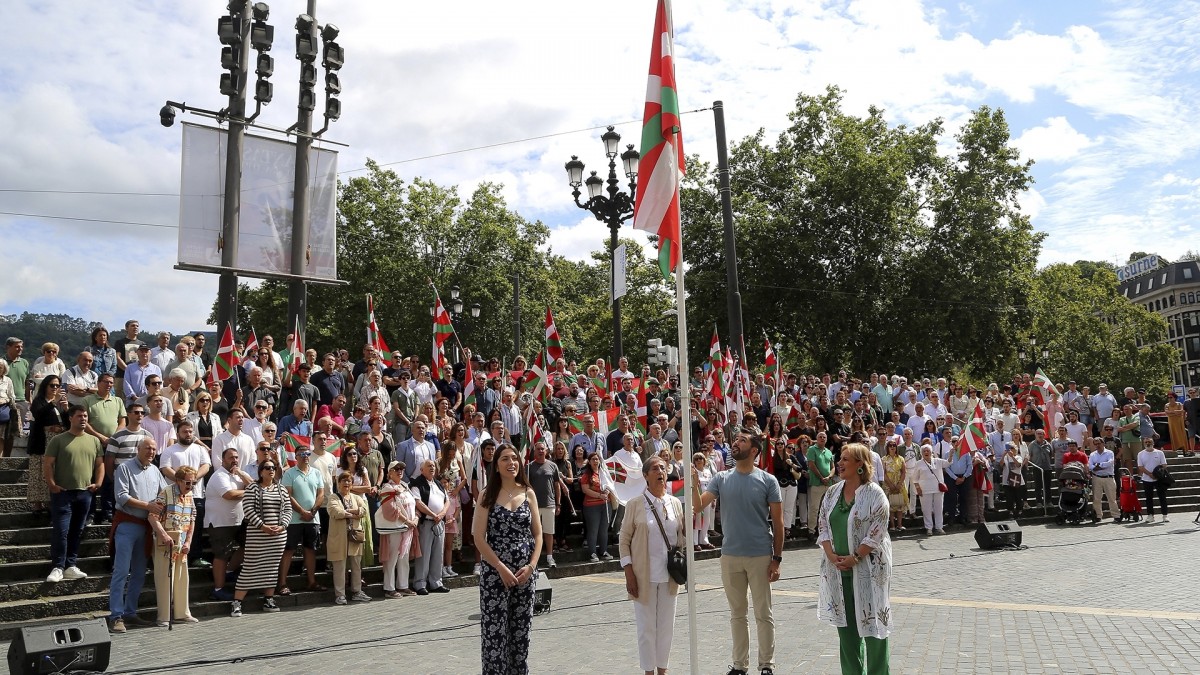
[70, 332]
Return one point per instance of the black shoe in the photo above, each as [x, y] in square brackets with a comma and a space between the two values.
[736, 671]
[422, 591]
[439, 589]
[766, 670]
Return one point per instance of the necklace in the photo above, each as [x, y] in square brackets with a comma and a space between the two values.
[842, 506]
[509, 494]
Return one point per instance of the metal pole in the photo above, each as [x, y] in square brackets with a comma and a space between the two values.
[227, 284]
[614, 225]
[516, 313]
[297, 288]
[733, 295]
[685, 433]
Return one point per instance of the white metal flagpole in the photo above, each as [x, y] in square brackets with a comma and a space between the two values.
[685, 393]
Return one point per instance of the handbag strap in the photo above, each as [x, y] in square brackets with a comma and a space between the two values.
[658, 520]
[929, 465]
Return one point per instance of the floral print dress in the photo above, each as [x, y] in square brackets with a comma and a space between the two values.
[507, 613]
[867, 524]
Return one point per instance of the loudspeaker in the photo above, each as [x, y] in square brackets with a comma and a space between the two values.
[77, 645]
[1002, 534]
[541, 595]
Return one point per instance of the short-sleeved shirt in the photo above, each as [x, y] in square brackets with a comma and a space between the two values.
[104, 414]
[543, 477]
[823, 458]
[18, 372]
[74, 459]
[1128, 436]
[194, 455]
[218, 511]
[745, 510]
[303, 488]
[329, 384]
[123, 445]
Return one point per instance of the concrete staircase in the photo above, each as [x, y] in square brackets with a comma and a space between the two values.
[26, 599]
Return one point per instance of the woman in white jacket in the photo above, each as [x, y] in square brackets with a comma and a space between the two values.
[928, 476]
[856, 570]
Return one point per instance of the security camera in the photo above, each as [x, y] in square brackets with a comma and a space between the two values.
[166, 116]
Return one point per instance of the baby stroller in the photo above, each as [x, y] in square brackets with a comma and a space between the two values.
[1074, 494]
[1131, 507]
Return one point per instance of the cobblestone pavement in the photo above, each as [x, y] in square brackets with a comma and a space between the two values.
[1088, 599]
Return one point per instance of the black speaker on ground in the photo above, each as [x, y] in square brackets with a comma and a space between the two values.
[541, 595]
[1001, 534]
[64, 647]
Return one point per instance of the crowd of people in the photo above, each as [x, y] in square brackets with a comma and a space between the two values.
[396, 460]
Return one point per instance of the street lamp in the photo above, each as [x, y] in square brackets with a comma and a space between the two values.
[455, 310]
[612, 209]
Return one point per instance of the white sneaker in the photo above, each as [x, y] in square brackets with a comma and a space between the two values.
[478, 569]
[360, 597]
[448, 571]
[550, 562]
[1149, 519]
[594, 558]
[339, 600]
[235, 608]
[1166, 519]
[73, 573]
[55, 576]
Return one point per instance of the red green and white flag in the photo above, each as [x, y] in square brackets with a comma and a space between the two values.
[795, 415]
[974, 437]
[442, 328]
[656, 209]
[772, 366]
[292, 443]
[553, 342]
[640, 406]
[438, 357]
[226, 361]
[712, 390]
[335, 447]
[374, 337]
[469, 392]
[605, 420]
[251, 346]
[1043, 382]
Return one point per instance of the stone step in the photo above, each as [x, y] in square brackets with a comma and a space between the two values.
[41, 552]
[13, 489]
[41, 534]
[14, 476]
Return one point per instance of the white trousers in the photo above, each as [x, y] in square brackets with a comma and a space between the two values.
[802, 508]
[789, 506]
[931, 508]
[655, 618]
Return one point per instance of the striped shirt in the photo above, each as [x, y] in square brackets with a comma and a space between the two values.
[123, 445]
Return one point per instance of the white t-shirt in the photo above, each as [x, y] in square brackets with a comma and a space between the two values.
[437, 497]
[218, 511]
[1150, 460]
[1076, 431]
[327, 464]
[162, 430]
[244, 444]
[194, 455]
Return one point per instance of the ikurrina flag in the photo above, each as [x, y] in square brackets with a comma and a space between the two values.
[227, 357]
[974, 437]
[605, 420]
[772, 366]
[469, 392]
[374, 337]
[656, 209]
[251, 347]
[624, 479]
[553, 342]
[1041, 387]
[292, 444]
[296, 356]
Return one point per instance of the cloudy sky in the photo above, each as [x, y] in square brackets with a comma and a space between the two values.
[1103, 95]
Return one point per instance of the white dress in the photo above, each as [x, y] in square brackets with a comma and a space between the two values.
[872, 578]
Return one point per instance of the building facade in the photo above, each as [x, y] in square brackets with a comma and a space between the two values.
[1172, 291]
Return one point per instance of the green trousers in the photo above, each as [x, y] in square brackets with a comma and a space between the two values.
[859, 655]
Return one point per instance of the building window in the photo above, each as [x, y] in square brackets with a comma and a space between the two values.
[1195, 346]
[1137, 289]
[1163, 282]
[1172, 297]
[1191, 298]
[1183, 298]
[1187, 273]
[1150, 283]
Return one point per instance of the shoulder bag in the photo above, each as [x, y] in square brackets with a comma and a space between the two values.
[676, 560]
[384, 524]
[354, 534]
[941, 485]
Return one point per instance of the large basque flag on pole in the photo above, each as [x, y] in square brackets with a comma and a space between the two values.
[656, 210]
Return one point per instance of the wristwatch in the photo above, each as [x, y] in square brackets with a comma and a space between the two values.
[777, 558]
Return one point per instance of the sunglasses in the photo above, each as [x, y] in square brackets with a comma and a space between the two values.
[53, 386]
[266, 467]
[153, 382]
[137, 412]
[303, 454]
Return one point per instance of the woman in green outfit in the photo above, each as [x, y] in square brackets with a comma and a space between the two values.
[857, 567]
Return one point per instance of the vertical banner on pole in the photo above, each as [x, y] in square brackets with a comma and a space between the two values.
[619, 287]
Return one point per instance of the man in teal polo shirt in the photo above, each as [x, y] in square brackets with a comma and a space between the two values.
[305, 486]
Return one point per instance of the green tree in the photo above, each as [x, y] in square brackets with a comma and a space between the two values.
[1094, 334]
[861, 246]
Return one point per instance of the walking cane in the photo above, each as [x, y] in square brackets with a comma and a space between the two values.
[171, 577]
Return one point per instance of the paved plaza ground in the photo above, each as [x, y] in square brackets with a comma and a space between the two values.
[1087, 599]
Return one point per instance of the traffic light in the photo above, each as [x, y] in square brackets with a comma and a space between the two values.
[230, 31]
[332, 59]
[657, 354]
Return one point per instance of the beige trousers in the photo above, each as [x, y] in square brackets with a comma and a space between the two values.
[339, 575]
[739, 573]
[163, 586]
[1105, 487]
[815, 494]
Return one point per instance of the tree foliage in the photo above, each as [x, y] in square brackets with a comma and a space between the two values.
[1094, 334]
[862, 246]
[394, 235]
[71, 334]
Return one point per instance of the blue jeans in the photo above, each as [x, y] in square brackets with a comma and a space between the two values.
[595, 520]
[68, 512]
[129, 570]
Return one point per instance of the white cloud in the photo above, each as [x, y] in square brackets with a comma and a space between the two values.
[1054, 141]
